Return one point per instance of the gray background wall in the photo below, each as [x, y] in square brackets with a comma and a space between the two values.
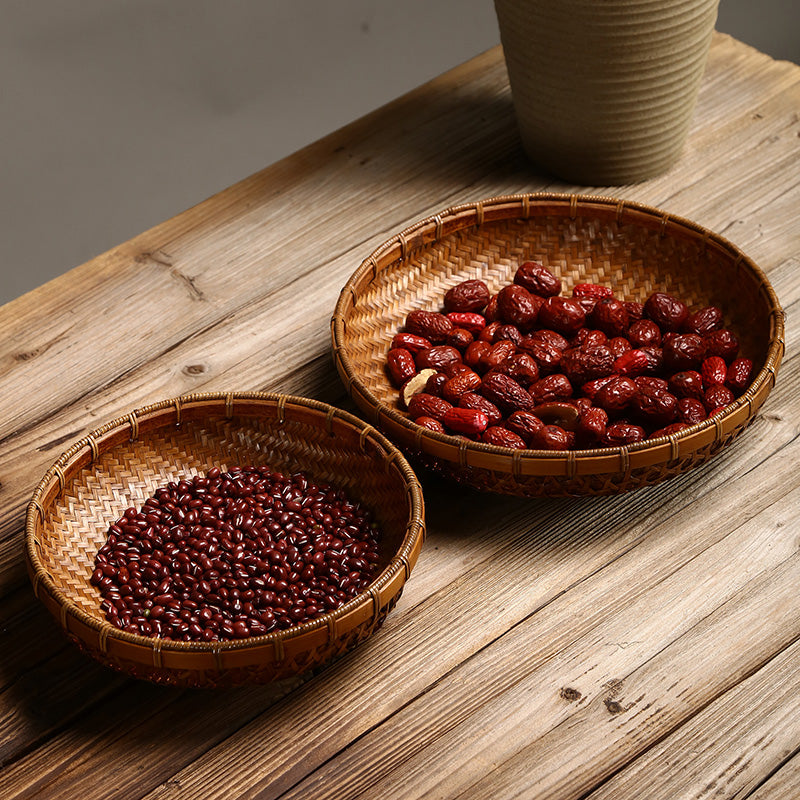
[117, 114]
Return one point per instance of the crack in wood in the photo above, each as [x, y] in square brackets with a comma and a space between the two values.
[189, 283]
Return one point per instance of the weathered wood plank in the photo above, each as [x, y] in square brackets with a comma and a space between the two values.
[162, 729]
[571, 758]
[729, 748]
[783, 785]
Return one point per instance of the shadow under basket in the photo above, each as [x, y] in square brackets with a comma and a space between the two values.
[120, 465]
[632, 248]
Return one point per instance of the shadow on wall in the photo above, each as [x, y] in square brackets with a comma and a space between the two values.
[769, 25]
[121, 115]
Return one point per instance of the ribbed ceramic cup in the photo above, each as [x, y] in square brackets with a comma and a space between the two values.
[604, 90]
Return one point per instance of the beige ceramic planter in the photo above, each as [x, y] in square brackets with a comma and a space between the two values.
[604, 90]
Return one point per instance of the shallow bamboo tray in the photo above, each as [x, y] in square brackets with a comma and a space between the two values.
[120, 464]
[633, 248]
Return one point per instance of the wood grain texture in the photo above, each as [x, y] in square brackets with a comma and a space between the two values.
[643, 645]
[728, 747]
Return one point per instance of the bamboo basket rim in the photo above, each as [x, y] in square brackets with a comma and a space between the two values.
[623, 458]
[225, 402]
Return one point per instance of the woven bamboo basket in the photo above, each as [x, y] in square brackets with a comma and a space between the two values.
[120, 465]
[633, 248]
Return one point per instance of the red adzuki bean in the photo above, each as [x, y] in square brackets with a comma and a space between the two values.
[235, 554]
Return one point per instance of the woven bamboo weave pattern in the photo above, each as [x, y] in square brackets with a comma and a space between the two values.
[634, 249]
[79, 501]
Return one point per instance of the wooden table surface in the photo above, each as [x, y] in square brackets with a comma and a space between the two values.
[640, 646]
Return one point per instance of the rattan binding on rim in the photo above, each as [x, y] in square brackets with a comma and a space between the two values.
[634, 248]
[123, 462]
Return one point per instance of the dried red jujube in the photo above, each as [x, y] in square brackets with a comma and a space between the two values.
[430, 324]
[717, 397]
[410, 342]
[657, 407]
[615, 396]
[722, 343]
[704, 321]
[536, 278]
[587, 337]
[691, 410]
[562, 314]
[591, 426]
[582, 365]
[666, 311]
[525, 424]
[469, 421]
[635, 310]
[487, 334]
[437, 357]
[632, 363]
[550, 437]
[502, 437]
[547, 337]
[623, 433]
[591, 353]
[459, 384]
[590, 389]
[551, 387]
[496, 355]
[517, 306]
[739, 373]
[505, 392]
[687, 383]
[475, 352]
[507, 332]
[469, 295]
[522, 367]
[714, 371]
[610, 316]
[619, 345]
[400, 364]
[594, 290]
[430, 423]
[668, 430]
[435, 383]
[470, 321]
[480, 403]
[546, 352]
[683, 351]
[644, 333]
[460, 338]
[428, 405]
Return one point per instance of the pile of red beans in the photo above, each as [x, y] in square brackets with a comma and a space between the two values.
[528, 367]
[235, 554]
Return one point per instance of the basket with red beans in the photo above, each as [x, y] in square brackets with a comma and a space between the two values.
[222, 539]
[556, 344]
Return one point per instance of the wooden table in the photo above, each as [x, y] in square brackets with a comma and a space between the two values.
[628, 647]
